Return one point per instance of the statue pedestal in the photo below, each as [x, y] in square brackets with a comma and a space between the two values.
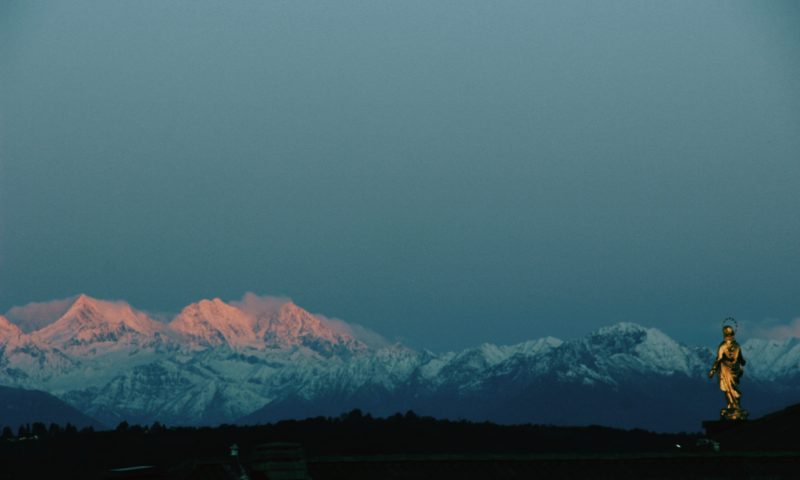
[733, 413]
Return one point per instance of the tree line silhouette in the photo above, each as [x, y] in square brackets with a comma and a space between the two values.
[39, 430]
[88, 451]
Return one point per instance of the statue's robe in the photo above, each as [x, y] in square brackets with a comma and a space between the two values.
[729, 366]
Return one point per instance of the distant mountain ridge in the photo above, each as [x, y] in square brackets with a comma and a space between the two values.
[263, 361]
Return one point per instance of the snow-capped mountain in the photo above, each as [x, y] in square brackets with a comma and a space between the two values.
[90, 325]
[290, 325]
[773, 359]
[262, 361]
[109, 358]
[211, 323]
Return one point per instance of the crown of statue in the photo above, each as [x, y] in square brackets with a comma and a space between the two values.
[729, 326]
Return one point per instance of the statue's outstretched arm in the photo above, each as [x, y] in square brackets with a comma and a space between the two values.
[715, 367]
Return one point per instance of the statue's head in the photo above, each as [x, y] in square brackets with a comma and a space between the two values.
[729, 326]
[728, 331]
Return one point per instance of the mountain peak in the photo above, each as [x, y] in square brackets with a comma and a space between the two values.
[634, 346]
[82, 301]
[214, 301]
[291, 325]
[90, 321]
[86, 308]
[209, 323]
[208, 305]
[82, 297]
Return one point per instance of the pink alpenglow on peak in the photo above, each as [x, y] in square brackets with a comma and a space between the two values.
[271, 323]
[84, 325]
[279, 323]
[210, 323]
[92, 322]
[8, 331]
[282, 327]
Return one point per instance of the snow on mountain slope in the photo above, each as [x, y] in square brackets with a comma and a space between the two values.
[200, 387]
[772, 359]
[602, 357]
[627, 346]
[388, 368]
[26, 363]
[470, 368]
[169, 390]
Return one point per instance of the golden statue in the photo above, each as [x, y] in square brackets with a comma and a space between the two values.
[729, 365]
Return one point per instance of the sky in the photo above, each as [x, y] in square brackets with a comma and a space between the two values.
[443, 172]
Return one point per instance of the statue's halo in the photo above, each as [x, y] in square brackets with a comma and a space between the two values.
[730, 322]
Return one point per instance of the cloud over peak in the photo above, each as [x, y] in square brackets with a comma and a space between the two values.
[266, 305]
[37, 315]
[777, 331]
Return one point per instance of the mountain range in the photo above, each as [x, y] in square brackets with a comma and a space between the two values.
[264, 360]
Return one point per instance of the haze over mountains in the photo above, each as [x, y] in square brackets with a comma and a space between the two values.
[263, 359]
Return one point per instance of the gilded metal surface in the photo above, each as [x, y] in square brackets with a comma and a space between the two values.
[728, 367]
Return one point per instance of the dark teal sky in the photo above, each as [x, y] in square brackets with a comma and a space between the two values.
[443, 172]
